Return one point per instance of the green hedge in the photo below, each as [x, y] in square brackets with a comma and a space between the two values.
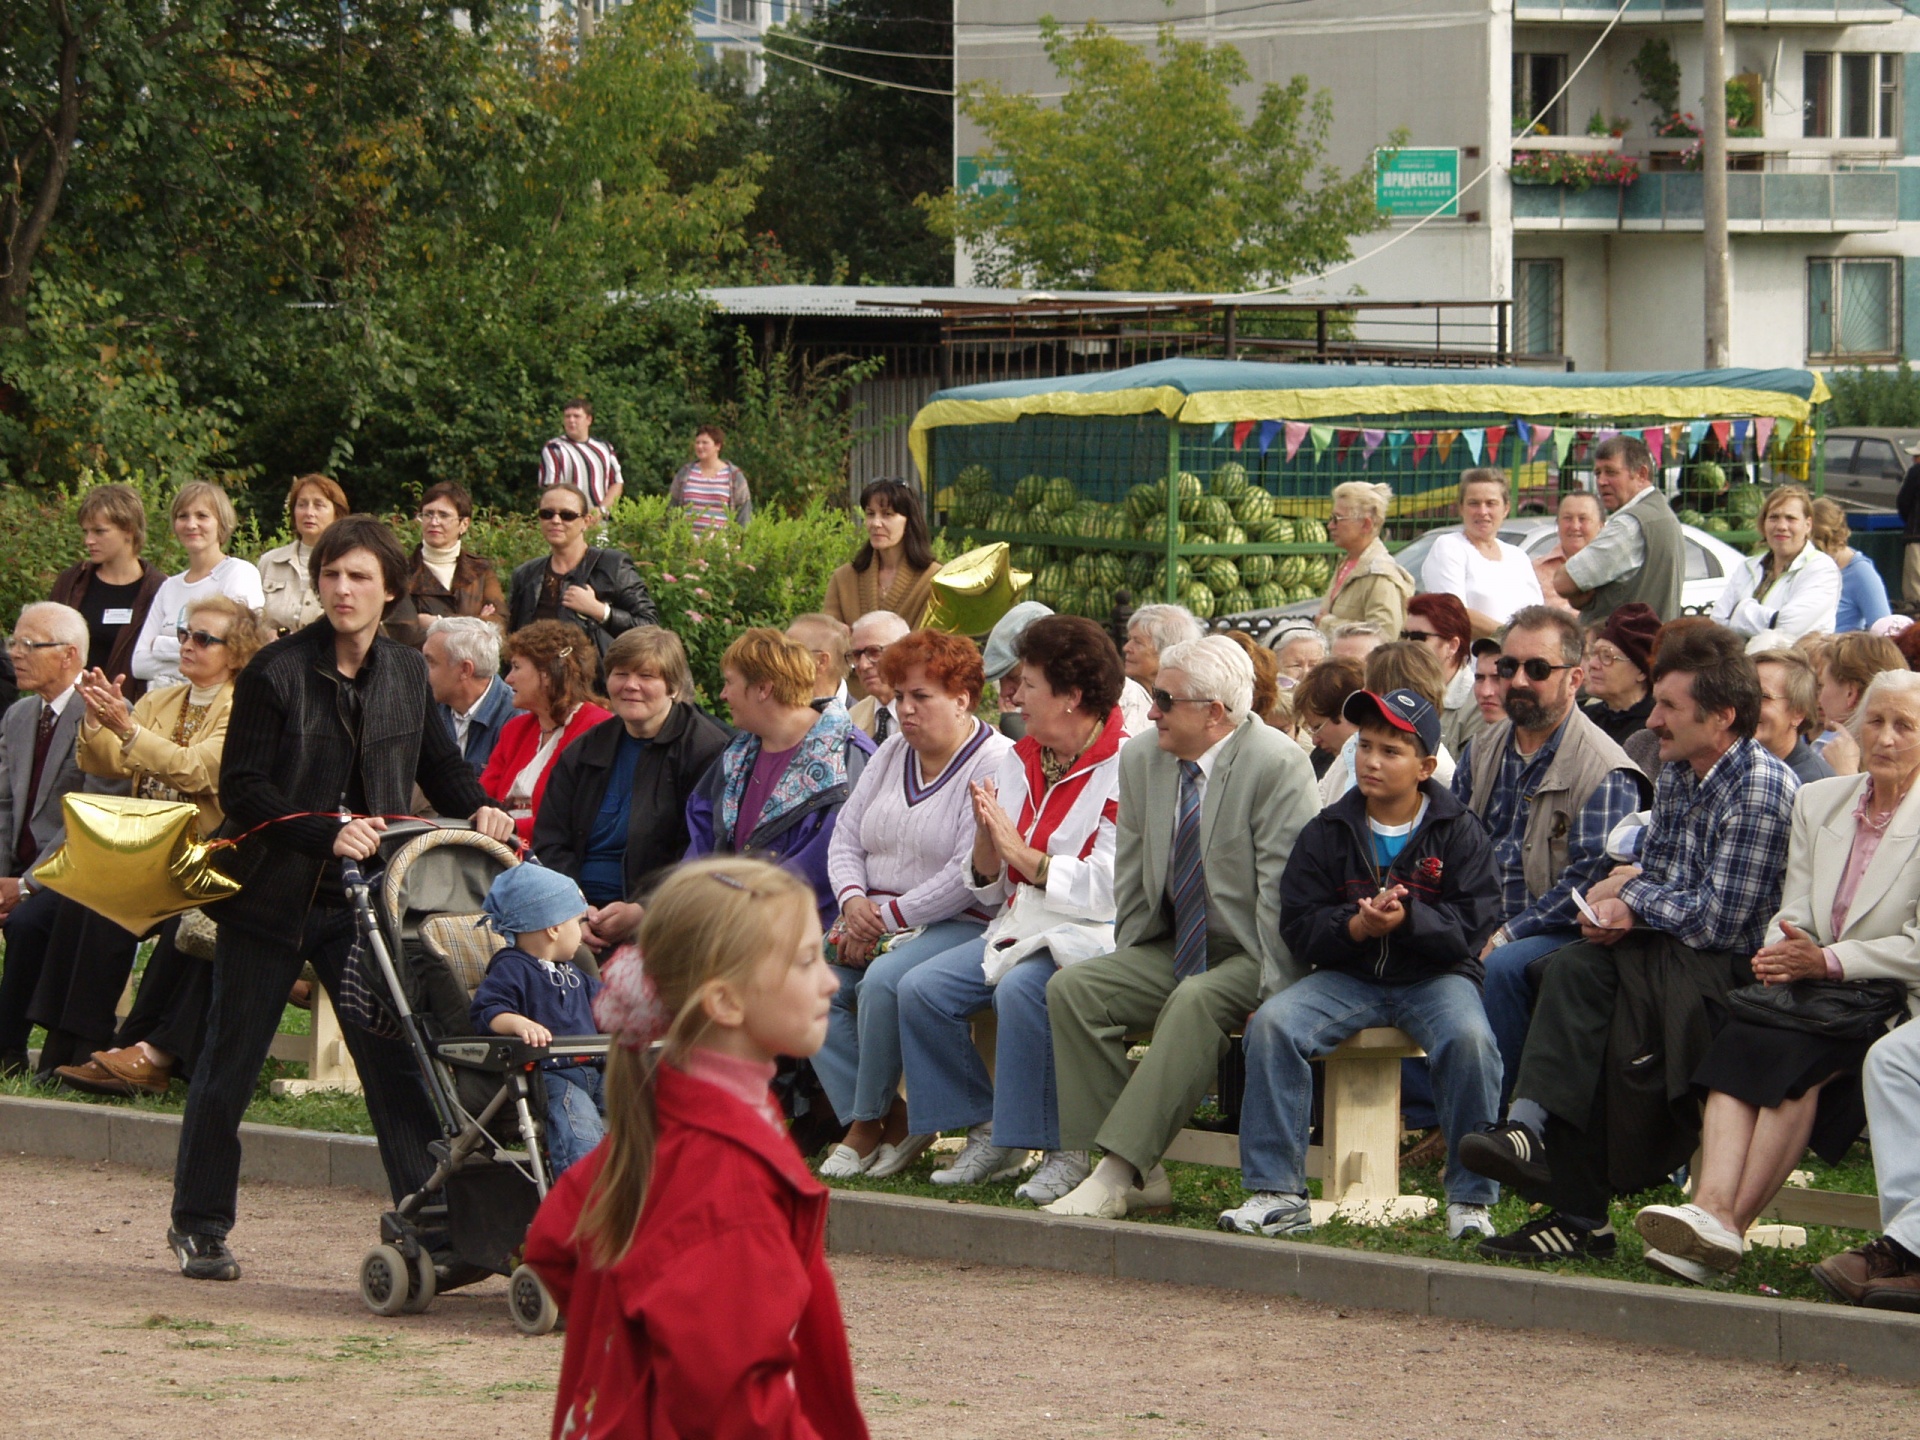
[708, 591]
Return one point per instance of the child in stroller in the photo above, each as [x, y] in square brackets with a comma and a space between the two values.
[533, 991]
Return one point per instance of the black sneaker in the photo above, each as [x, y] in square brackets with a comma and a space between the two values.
[1551, 1237]
[203, 1257]
[1509, 1152]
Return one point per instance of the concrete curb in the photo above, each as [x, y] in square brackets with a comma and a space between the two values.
[1739, 1327]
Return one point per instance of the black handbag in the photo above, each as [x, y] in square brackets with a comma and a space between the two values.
[1836, 1009]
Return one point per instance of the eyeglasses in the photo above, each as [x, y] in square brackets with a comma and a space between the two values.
[1164, 702]
[1604, 655]
[449, 517]
[871, 652]
[1418, 635]
[569, 516]
[204, 639]
[17, 646]
[1506, 667]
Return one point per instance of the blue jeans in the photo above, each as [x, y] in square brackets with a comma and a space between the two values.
[1509, 1001]
[1443, 1015]
[859, 1066]
[576, 1105]
[948, 1087]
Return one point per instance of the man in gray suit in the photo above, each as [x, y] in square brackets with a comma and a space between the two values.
[37, 767]
[1210, 802]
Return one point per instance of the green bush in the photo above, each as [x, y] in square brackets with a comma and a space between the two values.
[1874, 397]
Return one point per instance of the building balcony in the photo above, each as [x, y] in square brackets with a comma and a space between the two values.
[1765, 203]
[1739, 12]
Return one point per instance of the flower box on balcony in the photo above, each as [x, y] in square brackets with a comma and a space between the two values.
[1573, 169]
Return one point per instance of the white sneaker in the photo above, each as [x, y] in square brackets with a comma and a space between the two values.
[981, 1161]
[1269, 1214]
[1691, 1271]
[1151, 1195]
[1690, 1233]
[892, 1159]
[1060, 1171]
[843, 1162]
[1092, 1199]
[1464, 1220]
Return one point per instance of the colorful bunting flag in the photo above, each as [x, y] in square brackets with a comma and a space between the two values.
[1296, 432]
[1370, 441]
[1322, 438]
[1268, 429]
[1722, 434]
[1396, 442]
[1563, 438]
[1762, 433]
[1219, 431]
[1422, 442]
[1476, 442]
[1496, 437]
[1539, 436]
[1696, 432]
[1656, 438]
[1241, 429]
[1740, 437]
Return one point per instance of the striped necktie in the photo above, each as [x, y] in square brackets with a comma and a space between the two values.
[1189, 880]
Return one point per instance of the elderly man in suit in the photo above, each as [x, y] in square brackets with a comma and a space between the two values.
[463, 672]
[37, 767]
[1210, 802]
[873, 632]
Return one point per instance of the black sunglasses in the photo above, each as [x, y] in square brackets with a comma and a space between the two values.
[201, 638]
[1506, 667]
[1418, 635]
[1163, 702]
[569, 516]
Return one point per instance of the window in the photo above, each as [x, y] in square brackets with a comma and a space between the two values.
[1853, 310]
[1536, 80]
[1537, 306]
[740, 12]
[1851, 96]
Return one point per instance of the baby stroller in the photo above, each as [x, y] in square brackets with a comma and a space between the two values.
[420, 954]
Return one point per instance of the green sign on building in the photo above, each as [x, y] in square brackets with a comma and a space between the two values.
[970, 177]
[1415, 183]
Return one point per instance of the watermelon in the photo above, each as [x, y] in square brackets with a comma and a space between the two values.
[1236, 601]
[1096, 603]
[973, 479]
[1059, 495]
[1145, 502]
[1229, 481]
[1140, 571]
[1221, 575]
[1690, 517]
[1198, 599]
[1052, 581]
[1230, 534]
[1270, 597]
[1292, 571]
[1277, 531]
[1253, 509]
[1213, 513]
[1182, 576]
[1718, 525]
[1027, 557]
[1109, 569]
[1256, 570]
[1081, 570]
[1747, 501]
[1319, 572]
[1190, 488]
[1710, 478]
[1029, 491]
[1308, 531]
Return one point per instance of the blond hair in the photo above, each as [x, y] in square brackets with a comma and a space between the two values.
[713, 922]
[1369, 498]
[763, 656]
[215, 499]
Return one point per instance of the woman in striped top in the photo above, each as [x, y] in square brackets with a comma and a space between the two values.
[899, 867]
[711, 490]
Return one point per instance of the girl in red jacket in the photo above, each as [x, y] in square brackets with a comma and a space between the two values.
[688, 1251]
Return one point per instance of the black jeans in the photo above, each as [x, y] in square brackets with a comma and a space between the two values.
[170, 1006]
[251, 978]
[28, 929]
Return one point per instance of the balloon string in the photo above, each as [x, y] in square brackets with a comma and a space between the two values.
[341, 815]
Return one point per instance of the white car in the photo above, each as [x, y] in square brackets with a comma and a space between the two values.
[1709, 561]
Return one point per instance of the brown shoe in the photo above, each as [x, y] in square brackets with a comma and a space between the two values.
[92, 1078]
[1877, 1269]
[1429, 1150]
[132, 1066]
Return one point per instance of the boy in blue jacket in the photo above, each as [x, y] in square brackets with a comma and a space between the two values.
[533, 991]
[1388, 897]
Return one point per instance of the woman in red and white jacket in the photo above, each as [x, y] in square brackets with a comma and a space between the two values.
[1043, 857]
[551, 673]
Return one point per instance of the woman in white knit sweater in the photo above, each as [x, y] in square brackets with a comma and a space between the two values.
[899, 863]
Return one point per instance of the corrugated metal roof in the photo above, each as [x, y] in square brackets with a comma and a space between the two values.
[907, 301]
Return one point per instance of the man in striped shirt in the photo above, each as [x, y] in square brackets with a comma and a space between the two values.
[571, 458]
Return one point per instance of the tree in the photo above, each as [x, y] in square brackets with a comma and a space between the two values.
[1146, 177]
[847, 156]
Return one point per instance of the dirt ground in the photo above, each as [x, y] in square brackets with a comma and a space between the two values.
[98, 1336]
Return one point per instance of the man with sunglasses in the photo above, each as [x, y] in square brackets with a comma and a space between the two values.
[596, 589]
[1549, 786]
[1211, 800]
[1603, 1103]
[37, 768]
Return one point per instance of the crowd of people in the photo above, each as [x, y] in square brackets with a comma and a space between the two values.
[1636, 881]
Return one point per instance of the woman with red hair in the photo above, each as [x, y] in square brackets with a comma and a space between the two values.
[899, 865]
[1442, 624]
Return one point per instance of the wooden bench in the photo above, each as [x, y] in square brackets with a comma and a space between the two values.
[322, 1049]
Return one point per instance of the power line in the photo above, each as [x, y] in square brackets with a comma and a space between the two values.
[760, 40]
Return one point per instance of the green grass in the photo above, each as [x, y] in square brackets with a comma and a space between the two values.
[1201, 1192]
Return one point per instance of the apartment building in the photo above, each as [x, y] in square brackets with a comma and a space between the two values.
[727, 29]
[1823, 198]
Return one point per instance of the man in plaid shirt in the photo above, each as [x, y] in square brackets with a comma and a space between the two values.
[1550, 786]
[1603, 1102]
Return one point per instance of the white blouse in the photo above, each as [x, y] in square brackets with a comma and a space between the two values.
[1804, 601]
[1493, 587]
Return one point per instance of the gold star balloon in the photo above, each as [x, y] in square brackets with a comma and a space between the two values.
[972, 591]
[137, 862]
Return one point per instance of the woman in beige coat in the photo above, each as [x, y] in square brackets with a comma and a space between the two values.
[1369, 584]
[313, 503]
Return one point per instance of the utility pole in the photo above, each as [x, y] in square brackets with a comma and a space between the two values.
[1713, 182]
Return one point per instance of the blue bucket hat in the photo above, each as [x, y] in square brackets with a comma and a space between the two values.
[531, 897]
[1003, 642]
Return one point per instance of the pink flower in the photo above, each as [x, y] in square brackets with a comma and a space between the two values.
[745, 566]
[698, 591]
[668, 578]
[696, 617]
